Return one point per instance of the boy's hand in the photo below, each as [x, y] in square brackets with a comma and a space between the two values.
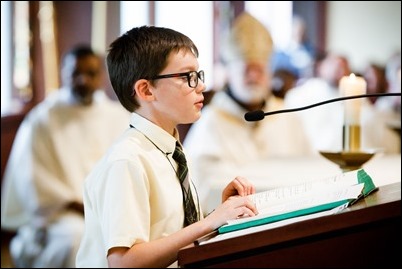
[239, 186]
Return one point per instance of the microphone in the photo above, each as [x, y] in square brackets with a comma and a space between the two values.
[259, 114]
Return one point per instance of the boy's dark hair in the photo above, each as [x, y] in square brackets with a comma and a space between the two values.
[142, 53]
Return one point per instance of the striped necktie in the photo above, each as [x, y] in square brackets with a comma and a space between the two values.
[190, 211]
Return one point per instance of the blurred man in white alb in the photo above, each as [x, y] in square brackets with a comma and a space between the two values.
[56, 145]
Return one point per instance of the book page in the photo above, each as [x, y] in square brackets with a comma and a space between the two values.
[325, 196]
[282, 195]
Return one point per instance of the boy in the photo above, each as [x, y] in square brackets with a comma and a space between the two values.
[134, 212]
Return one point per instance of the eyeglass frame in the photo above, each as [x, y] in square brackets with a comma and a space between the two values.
[199, 75]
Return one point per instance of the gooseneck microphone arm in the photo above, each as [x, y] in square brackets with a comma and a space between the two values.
[259, 114]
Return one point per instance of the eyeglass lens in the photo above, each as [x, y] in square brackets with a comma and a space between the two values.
[193, 78]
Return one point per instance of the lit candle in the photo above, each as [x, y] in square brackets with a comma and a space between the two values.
[352, 85]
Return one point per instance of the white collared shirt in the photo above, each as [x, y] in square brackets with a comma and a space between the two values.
[133, 195]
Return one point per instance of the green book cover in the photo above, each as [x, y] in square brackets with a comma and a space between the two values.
[361, 177]
[369, 186]
[270, 219]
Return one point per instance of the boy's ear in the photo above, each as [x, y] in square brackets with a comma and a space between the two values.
[143, 90]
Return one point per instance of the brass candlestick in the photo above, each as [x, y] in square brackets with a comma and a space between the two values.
[351, 138]
[348, 160]
[351, 157]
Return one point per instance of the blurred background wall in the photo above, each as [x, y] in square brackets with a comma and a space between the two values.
[364, 31]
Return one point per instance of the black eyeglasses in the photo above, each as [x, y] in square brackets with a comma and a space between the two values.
[192, 77]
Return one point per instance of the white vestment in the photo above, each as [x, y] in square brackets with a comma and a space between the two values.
[55, 147]
[222, 144]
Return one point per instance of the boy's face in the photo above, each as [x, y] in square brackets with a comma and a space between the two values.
[175, 101]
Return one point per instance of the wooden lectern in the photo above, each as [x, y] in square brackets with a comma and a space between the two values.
[366, 234]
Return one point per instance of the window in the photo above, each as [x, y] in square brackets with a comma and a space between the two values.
[23, 38]
[194, 19]
[15, 71]
[6, 66]
[276, 16]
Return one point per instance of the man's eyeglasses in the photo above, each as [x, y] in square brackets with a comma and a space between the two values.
[192, 77]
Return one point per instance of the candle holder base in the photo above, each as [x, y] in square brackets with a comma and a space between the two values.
[348, 160]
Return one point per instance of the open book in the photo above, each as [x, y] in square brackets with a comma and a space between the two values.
[305, 198]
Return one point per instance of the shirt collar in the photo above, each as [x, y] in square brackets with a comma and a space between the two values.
[162, 139]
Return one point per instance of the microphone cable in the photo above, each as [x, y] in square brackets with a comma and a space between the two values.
[259, 114]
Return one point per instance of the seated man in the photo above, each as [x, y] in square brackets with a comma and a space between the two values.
[55, 147]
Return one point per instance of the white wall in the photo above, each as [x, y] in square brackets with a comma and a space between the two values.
[364, 31]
